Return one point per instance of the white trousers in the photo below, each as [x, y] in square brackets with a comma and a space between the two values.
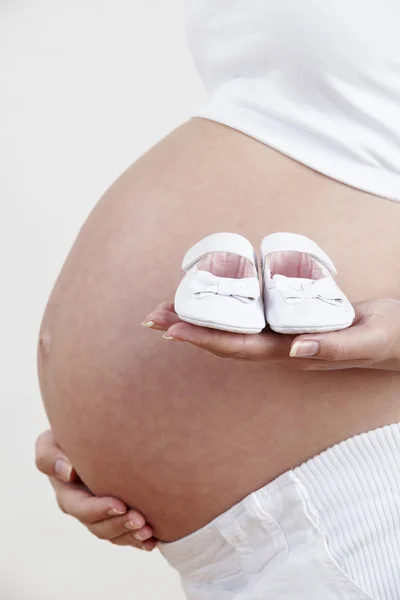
[327, 530]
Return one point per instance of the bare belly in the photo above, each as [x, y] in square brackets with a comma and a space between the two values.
[179, 434]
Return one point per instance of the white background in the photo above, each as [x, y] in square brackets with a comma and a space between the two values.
[86, 86]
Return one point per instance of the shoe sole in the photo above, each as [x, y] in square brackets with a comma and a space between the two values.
[317, 329]
[212, 325]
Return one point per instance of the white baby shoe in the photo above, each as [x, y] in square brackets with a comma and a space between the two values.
[300, 294]
[221, 288]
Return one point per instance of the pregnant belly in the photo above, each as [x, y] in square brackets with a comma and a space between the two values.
[177, 433]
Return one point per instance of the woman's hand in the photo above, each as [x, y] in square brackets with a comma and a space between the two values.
[107, 518]
[373, 341]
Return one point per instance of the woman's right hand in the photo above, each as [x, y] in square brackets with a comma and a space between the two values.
[107, 518]
[372, 342]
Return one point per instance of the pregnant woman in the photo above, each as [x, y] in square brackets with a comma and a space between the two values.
[273, 477]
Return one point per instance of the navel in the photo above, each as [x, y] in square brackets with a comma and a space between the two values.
[44, 342]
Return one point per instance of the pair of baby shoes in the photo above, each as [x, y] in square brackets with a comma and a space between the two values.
[221, 287]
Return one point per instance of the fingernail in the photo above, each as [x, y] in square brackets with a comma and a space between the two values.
[304, 349]
[168, 337]
[115, 513]
[63, 468]
[134, 524]
[148, 324]
[140, 537]
[143, 547]
[138, 521]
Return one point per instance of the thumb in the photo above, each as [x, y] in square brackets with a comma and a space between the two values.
[51, 460]
[362, 341]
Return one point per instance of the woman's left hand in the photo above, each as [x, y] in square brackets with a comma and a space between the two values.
[372, 342]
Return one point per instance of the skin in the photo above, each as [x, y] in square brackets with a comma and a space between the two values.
[106, 518]
[373, 341]
[164, 426]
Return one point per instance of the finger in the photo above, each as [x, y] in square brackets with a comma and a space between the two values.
[168, 306]
[112, 528]
[76, 501]
[364, 341]
[50, 459]
[131, 521]
[161, 319]
[264, 346]
[128, 540]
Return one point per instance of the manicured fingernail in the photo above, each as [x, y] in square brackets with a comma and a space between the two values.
[134, 523]
[115, 513]
[138, 521]
[304, 349]
[63, 469]
[168, 337]
[141, 537]
[148, 324]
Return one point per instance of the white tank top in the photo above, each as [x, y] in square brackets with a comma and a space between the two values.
[318, 80]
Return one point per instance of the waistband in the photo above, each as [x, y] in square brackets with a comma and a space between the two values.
[359, 471]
